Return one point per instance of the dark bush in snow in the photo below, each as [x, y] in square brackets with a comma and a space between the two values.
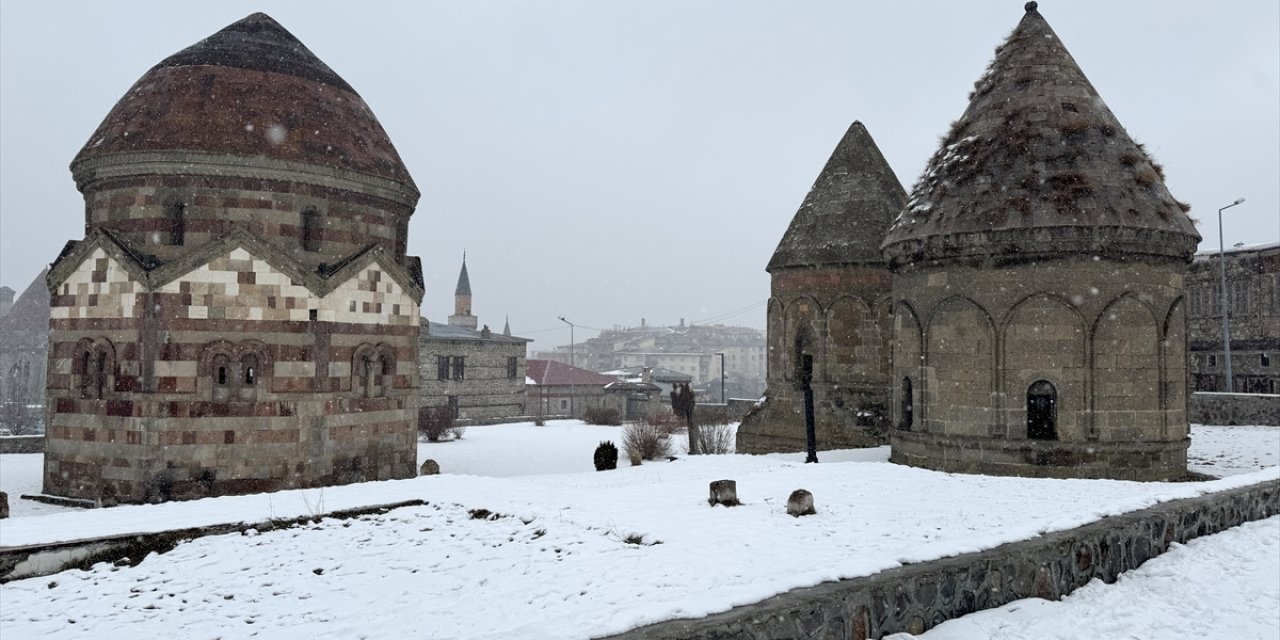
[606, 456]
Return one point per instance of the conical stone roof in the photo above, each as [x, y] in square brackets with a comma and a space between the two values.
[1038, 165]
[845, 214]
[251, 89]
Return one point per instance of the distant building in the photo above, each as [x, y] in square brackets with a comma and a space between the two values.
[241, 315]
[478, 374]
[692, 350]
[558, 389]
[1253, 309]
[24, 352]
[664, 379]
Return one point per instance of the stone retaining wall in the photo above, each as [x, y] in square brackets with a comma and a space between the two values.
[1235, 408]
[22, 444]
[917, 597]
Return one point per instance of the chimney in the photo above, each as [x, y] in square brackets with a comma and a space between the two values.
[646, 375]
[6, 301]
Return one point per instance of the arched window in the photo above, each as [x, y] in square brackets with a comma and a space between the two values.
[908, 405]
[249, 365]
[100, 375]
[249, 374]
[366, 376]
[223, 377]
[87, 384]
[1042, 411]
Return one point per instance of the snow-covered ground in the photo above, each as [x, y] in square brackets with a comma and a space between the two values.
[535, 544]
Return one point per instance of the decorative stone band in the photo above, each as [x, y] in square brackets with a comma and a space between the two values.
[187, 163]
[1042, 458]
[1011, 246]
[916, 597]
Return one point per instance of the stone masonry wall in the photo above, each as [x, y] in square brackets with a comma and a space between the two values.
[918, 597]
[230, 378]
[1235, 408]
[486, 391]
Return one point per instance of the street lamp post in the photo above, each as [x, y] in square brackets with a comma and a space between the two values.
[723, 398]
[573, 388]
[1222, 273]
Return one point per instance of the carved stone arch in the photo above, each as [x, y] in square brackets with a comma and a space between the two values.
[804, 331]
[882, 314]
[107, 350]
[218, 370]
[94, 368]
[959, 369]
[908, 367]
[850, 348]
[384, 369]
[1043, 338]
[1174, 367]
[1126, 373]
[776, 340]
[362, 369]
[260, 353]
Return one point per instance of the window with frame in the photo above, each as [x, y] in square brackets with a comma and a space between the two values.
[458, 366]
[1264, 359]
[442, 367]
[1240, 297]
[512, 367]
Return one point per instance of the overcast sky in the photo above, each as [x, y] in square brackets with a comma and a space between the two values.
[612, 161]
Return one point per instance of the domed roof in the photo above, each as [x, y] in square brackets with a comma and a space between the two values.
[251, 89]
[844, 216]
[1038, 165]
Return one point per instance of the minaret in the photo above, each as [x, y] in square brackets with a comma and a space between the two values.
[462, 300]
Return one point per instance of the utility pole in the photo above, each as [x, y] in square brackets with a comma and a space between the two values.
[1226, 323]
[573, 388]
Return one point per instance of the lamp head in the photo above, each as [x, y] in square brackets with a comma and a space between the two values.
[1238, 201]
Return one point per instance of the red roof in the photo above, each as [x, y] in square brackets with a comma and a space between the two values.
[551, 374]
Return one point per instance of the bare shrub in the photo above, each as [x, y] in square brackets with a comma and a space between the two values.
[434, 423]
[716, 439]
[602, 416]
[457, 431]
[664, 421]
[645, 441]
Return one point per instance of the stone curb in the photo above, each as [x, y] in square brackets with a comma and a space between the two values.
[917, 597]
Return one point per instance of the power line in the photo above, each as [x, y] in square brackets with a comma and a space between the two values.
[735, 312]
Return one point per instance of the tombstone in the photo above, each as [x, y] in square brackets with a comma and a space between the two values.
[4, 505]
[724, 492]
[429, 468]
[800, 503]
